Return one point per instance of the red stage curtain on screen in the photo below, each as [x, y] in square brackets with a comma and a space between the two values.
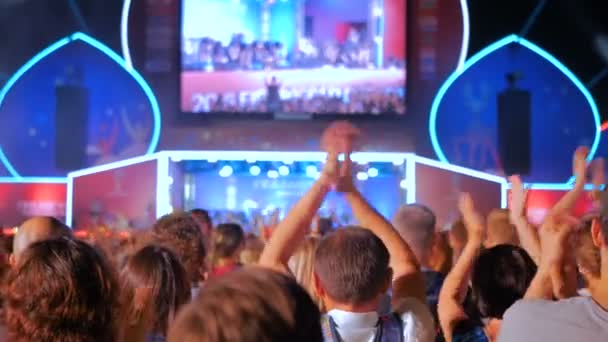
[394, 28]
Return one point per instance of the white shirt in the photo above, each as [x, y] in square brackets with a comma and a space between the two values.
[418, 325]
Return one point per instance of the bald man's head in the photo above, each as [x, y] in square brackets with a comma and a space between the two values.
[37, 229]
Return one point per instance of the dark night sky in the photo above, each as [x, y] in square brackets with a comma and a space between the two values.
[565, 28]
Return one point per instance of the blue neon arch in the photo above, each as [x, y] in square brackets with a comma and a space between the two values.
[108, 52]
[482, 54]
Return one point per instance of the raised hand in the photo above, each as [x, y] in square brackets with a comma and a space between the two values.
[339, 137]
[473, 222]
[528, 235]
[554, 237]
[519, 198]
[598, 177]
[579, 165]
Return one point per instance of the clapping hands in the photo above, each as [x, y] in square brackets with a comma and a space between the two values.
[554, 238]
[473, 221]
[339, 138]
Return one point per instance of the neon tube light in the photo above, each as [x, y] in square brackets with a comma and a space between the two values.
[52, 180]
[7, 164]
[464, 47]
[108, 52]
[483, 53]
[124, 33]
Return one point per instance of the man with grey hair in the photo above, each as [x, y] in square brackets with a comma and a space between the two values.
[416, 225]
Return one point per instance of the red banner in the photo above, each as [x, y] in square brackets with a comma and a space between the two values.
[119, 198]
[19, 201]
[440, 190]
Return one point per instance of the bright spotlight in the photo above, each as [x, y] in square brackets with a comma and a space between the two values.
[255, 170]
[372, 172]
[273, 174]
[362, 176]
[226, 171]
[311, 171]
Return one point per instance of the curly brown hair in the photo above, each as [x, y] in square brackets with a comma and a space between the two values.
[61, 290]
[180, 233]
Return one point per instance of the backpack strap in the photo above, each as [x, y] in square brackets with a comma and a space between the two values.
[330, 329]
[389, 329]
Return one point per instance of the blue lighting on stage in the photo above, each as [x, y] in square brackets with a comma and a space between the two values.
[481, 55]
[109, 53]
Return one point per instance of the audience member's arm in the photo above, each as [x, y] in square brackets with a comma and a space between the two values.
[455, 286]
[407, 278]
[564, 277]
[292, 230]
[554, 242]
[528, 235]
[567, 202]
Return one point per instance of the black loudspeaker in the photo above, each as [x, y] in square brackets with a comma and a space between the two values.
[71, 126]
[514, 130]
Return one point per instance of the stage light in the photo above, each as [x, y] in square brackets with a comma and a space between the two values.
[170, 180]
[250, 160]
[372, 172]
[377, 11]
[403, 184]
[398, 162]
[288, 162]
[483, 53]
[250, 204]
[311, 171]
[113, 56]
[212, 160]
[273, 174]
[255, 170]
[362, 176]
[284, 170]
[226, 171]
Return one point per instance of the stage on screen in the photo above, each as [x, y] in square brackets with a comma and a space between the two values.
[293, 56]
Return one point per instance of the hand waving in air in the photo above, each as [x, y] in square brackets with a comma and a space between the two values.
[519, 199]
[579, 165]
[472, 220]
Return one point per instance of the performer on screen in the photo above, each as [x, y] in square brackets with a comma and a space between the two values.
[273, 96]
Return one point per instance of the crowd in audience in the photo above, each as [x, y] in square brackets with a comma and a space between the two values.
[494, 279]
[358, 100]
[209, 54]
